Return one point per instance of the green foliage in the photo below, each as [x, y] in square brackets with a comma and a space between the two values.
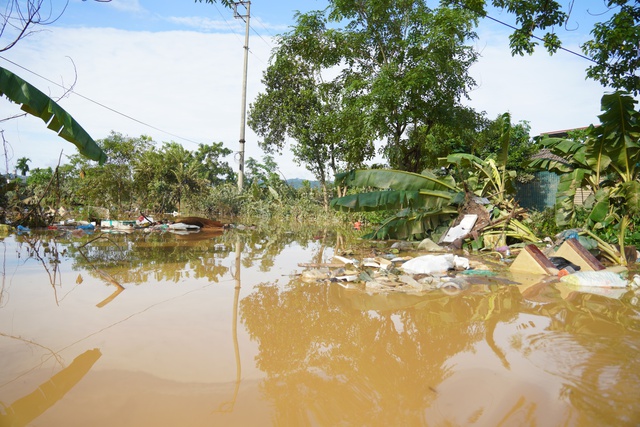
[263, 174]
[298, 104]
[22, 165]
[137, 175]
[214, 168]
[425, 203]
[221, 201]
[400, 69]
[110, 185]
[607, 163]
[544, 223]
[408, 70]
[36, 103]
[156, 180]
[39, 182]
[483, 176]
[421, 201]
[616, 48]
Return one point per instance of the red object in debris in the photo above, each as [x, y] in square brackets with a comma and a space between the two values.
[357, 225]
[52, 227]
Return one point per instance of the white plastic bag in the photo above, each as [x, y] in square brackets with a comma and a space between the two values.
[429, 264]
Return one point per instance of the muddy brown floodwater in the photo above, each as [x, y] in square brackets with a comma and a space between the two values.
[220, 330]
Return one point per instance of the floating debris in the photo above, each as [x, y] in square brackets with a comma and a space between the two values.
[601, 278]
[429, 264]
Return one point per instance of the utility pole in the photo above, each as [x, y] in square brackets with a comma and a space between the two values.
[243, 116]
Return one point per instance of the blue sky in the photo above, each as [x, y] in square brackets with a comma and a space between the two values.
[172, 70]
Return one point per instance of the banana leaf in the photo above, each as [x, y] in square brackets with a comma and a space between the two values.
[600, 210]
[567, 186]
[505, 140]
[615, 143]
[36, 103]
[631, 191]
[408, 224]
[377, 200]
[496, 181]
[395, 180]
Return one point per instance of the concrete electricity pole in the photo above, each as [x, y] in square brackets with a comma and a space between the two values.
[247, 5]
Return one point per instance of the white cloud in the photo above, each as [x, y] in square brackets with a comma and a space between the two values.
[188, 84]
[206, 24]
[126, 5]
[548, 91]
[272, 29]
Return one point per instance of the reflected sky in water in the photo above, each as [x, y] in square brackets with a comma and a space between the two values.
[220, 329]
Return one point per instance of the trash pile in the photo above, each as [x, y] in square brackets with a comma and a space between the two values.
[390, 272]
[182, 225]
[387, 271]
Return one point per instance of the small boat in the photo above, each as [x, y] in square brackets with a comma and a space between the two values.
[203, 223]
[180, 226]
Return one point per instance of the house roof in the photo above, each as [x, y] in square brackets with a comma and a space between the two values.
[561, 133]
[545, 153]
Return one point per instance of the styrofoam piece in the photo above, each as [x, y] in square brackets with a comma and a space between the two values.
[460, 230]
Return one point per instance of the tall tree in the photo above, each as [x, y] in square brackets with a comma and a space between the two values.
[214, 168]
[112, 184]
[360, 71]
[299, 103]
[407, 66]
[22, 165]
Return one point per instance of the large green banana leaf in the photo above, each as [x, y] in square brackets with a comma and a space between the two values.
[409, 224]
[36, 103]
[616, 142]
[425, 201]
[395, 180]
[381, 200]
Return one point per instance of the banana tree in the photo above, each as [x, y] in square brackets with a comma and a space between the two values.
[608, 164]
[36, 103]
[422, 201]
[491, 180]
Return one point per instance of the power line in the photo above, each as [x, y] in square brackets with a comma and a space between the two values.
[485, 15]
[231, 28]
[100, 104]
[259, 35]
[227, 22]
[541, 39]
[265, 28]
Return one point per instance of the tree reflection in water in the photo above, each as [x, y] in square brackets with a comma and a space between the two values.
[341, 357]
[332, 356]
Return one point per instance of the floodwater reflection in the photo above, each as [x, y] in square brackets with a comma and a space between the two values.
[220, 330]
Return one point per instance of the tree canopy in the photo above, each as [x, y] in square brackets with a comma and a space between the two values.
[299, 103]
[363, 71]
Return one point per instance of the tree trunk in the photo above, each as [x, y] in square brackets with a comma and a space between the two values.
[325, 195]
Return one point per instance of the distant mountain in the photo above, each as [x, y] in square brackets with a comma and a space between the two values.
[297, 183]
